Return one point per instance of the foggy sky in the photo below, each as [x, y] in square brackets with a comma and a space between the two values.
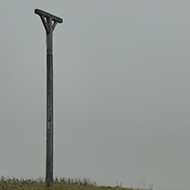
[121, 91]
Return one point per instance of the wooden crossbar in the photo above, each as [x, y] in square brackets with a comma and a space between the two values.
[48, 15]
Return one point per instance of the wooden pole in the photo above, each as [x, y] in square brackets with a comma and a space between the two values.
[49, 21]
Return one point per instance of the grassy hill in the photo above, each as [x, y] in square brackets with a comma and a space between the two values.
[59, 184]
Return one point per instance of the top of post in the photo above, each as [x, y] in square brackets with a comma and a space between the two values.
[48, 15]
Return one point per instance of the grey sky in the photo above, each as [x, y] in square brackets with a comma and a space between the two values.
[121, 91]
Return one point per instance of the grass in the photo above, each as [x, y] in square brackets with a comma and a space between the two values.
[7, 183]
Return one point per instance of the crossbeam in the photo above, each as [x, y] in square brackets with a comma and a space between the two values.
[48, 15]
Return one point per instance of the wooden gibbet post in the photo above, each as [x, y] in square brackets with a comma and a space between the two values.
[49, 21]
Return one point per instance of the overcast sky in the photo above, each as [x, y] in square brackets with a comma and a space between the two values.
[121, 91]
